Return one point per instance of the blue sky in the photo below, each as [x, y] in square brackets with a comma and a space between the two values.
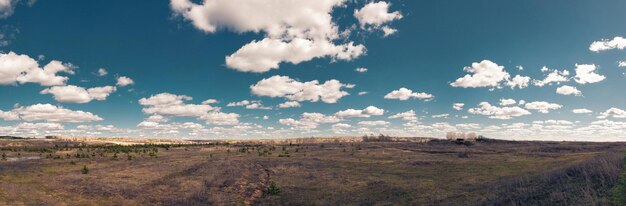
[180, 53]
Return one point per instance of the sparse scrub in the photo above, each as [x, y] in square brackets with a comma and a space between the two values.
[85, 170]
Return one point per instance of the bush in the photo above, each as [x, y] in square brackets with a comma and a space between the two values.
[462, 155]
[272, 188]
[85, 170]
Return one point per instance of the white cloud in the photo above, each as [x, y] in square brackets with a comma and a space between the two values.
[124, 81]
[519, 82]
[157, 118]
[404, 94]
[581, 111]
[102, 72]
[221, 118]
[6, 8]
[621, 64]
[283, 86]
[494, 112]
[362, 93]
[51, 113]
[210, 101]
[171, 104]
[75, 94]
[568, 90]
[606, 44]
[367, 112]
[440, 116]
[376, 14]
[406, 116]
[585, 73]
[387, 31]
[458, 106]
[506, 102]
[16, 68]
[374, 123]
[255, 104]
[555, 76]
[309, 121]
[267, 54]
[9, 115]
[489, 74]
[613, 112]
[289, 104]
[361, 69]
[301, 31]
[542, 106]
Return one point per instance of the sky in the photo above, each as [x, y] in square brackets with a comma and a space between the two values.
[231, 69]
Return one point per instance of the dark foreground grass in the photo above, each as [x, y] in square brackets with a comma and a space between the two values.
[618, 193]
[587, 183]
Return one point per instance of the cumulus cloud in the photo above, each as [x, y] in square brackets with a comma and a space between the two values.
[6, 8]
[404, 94]
[621, 64]
[289, 104]
[367, 112]
[495, 112]
[608, 44]
[79, 95]
[585, 73]
[51, 113]
[171, 104]
[374, 123]
[613, 112]
[301, 31]
[409, 116]
[174, 105]
[568, 90]
[102, 72]
[506, 102]
[555, 76]
[221, 118]
[489, 74]
[157, 118]
[542, 107]
[124, 81]
[376, 14]
[361, 69]
[519, 82]
[23, 69]
[458, 106]
[581, 111]
[309, 121]
[283, 86]
[210, 101]
[254, 104]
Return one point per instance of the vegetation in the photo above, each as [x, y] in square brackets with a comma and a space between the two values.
[331, 172]
[618, 193]
[272, 188]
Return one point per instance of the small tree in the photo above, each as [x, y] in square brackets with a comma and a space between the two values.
[85, 170]
[272, 188]
[4, 156]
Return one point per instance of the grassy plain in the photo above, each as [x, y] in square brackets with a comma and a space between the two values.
[315, 173]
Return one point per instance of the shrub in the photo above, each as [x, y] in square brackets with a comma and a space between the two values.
[462, 155]
[85, 170]
[4, 156]
[272, 188]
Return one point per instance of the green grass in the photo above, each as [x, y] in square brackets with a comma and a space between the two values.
[618, 192]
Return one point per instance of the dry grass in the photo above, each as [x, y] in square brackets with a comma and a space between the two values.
[329, 173]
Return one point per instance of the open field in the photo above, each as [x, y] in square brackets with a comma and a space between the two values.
[437, 172]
